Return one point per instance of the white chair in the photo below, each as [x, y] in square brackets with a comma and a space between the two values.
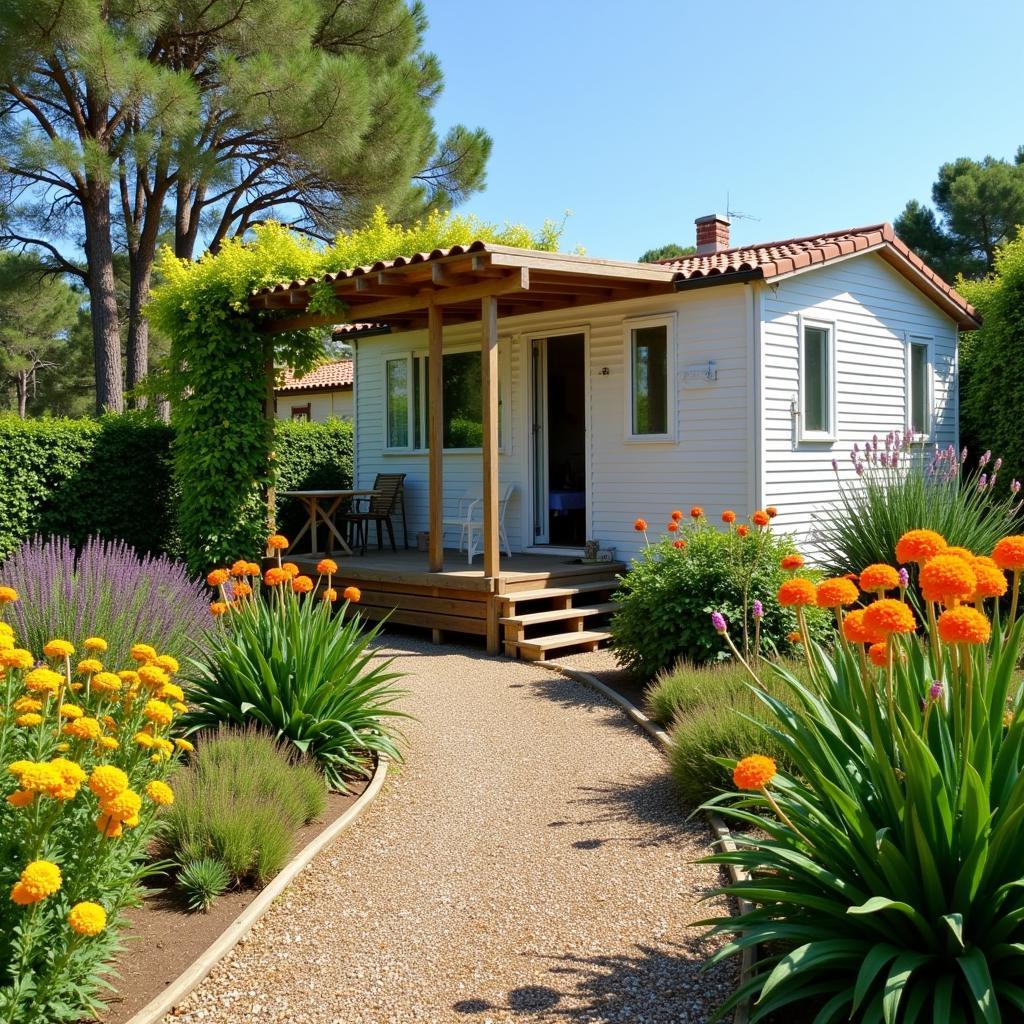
[470, 521]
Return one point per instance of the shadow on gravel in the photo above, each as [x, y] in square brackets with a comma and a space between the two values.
[574, 696]
[656, 986]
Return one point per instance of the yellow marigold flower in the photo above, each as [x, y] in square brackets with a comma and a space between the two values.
[158, 712]
[84, 728]
[290, 570]
[39, 777]
[184, 745]
[302, 585]
[43, 680]
[109, 827]
[89, 666]
[23, 704]
[754, 772]
[180, 707]
[160, 793]
[276, 542]
[143, 739]
[879, 577]
[71, 711]
[964, 625]
[17, 658]
[1009, 553]
[124, 807]
[143, 654]
[109, 723]
[87, 918]
[919, 546]
[7, 595]
[28, 720]
[217, 577]
[887, 616]
[168, 664]
[108, 781]
[58, 649]
[797, 591]
[41, 878]
[129, 677]
[879, 654]
[836, 593]
[106, 682]
[171, 691]
[164, 746]
[108, 743]
[947, 579]
[95, 643]
[21, 798]
[352, 594]
[72, 776]
[17, 767]
[326, 567]
[153, 678]
[329, 594]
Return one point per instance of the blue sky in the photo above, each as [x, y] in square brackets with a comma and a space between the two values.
[641, 116]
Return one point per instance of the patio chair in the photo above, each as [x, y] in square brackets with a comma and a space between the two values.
[470, 521]
[379, 510]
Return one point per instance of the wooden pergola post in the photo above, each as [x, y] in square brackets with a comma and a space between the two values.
[435, 437]
[489, 393]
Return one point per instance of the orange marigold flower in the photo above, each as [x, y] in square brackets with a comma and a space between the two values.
[672, 526]
[679, 544]
[252, 569]
[302, 584]
[919, 546]
[879, 577]
[240, 568]
[947, 578]
[797, 591]
[329, 594]
[991, 580]
[276, 542]
[795, 637]
[792, 562]
[855, 629]
[218, 608]
[352, 594]
[836, 593]
[742, 529]
[677, 515]
[879, 654]
[728, 516]
[326, 567]
[290, 570]
[241, 590]
[640, 525]
[754, 772]
[274, 577]
[696, 512]
[887, 616]
[760, 518]
[217, 577]
[964, 625]
[7, 595]
[959, 552]
[1009, 553]
[772, 511]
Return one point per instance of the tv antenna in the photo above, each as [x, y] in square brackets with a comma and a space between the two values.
[736, 214]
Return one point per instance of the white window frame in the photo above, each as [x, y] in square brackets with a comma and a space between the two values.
[928, 342]
[830, 435]
[411, 357]
[669, 322]
[397, 357]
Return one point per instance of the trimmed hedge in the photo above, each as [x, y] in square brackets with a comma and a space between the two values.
[113, 477]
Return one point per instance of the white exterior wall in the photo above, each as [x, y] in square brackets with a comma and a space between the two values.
[708, 464]
[323, 405]
[874, 310]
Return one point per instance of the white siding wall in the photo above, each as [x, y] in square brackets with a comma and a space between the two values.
[709, 463]
[874, 309]
[322, 406]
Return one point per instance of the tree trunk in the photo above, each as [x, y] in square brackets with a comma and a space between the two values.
[140, 270]
[21, 386]
[106, 335]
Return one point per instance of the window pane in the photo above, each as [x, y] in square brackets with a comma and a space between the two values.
[816, 380]
[398, 403]
[650, 380]
[463, 418]
[420, 384]
[920, 413]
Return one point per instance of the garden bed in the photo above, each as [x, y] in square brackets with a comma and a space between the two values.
[164, 938]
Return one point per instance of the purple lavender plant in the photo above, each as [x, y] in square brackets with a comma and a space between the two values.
[105, 589]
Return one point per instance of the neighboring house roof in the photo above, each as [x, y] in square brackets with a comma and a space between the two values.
[770, 261]
[334, 376]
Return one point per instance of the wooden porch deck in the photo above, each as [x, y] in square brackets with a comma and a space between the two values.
[545, 589]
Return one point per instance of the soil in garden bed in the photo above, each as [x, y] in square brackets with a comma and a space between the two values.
[164, 938]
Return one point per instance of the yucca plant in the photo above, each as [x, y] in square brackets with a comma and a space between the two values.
[886, 877]
[307, 675]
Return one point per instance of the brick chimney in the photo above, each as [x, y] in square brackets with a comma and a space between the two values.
[712, 234]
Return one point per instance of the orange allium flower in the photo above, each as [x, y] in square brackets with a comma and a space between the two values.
[640, 525]
[888, 616]
[797, 591]
[329, 594]
[217, 577]
[836, 593]
[854, 628]
[352, 594]
[253, 569]
[290, 569]
[242, 590]
[240, 568]
[919, 546]
[795, 637]
[672, 526]
[218, 608]
[274, 577]
[772, 511]
[947, 578]
[754, 772]
[276, 542]
[679, 544]
[696, 512]
[728, 516]
[879, 577]
[792, 562]
[760, 518]
[326, 567]
[7, 595]
[1009, 553]
[742, 530]
[991, 580]
[964, 626]
[677, 515]
[879, 654]
[959, 552]
[302, 585]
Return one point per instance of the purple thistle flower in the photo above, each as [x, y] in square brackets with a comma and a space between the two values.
[718, 621]
[758, 609]
[935, 690]
[904, 578]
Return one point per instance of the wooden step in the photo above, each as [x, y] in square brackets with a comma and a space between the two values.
[522, 596]
[538, 648]
[558, 614]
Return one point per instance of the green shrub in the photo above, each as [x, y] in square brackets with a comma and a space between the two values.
[667, 597]
[905, 487]
[240, 802]
[202, 881]
[310, 677]
[310, 456]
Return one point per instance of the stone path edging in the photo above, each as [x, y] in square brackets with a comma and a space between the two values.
[723, 837]
[158, 1007]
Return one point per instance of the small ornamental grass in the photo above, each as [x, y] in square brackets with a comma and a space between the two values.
[240, 802]
[885, 872]
[282, 658]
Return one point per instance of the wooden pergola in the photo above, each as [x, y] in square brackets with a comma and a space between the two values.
[464, 284]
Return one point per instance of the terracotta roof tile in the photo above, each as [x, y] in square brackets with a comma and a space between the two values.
[326, 377]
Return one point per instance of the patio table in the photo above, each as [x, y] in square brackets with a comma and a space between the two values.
[320, 508]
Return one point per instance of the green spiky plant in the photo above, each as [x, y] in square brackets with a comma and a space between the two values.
[885, 874]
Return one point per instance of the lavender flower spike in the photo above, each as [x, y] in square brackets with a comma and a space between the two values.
[935, 690]
[998, 465]
[904, 578]
[718, 621]
[758, 610]
[835, 466]
[1015, 486]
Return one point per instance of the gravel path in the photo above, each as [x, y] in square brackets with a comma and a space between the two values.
[530, 862]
